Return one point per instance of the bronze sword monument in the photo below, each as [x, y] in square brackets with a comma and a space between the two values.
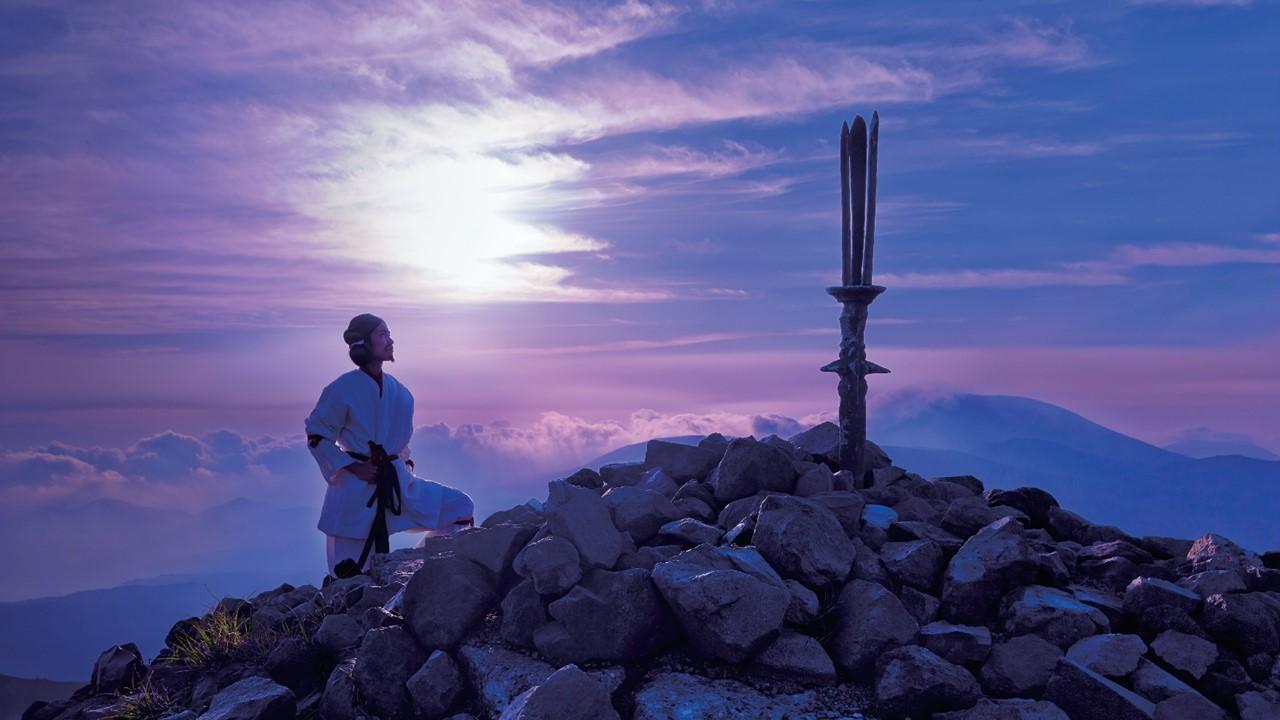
[857, 236]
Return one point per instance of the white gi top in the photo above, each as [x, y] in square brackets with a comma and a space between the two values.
[351, 411]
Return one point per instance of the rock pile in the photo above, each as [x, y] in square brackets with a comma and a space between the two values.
[742, 579]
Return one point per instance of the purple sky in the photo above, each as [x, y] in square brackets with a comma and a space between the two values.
[592, 212]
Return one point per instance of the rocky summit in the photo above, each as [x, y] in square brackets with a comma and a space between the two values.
[740, 579]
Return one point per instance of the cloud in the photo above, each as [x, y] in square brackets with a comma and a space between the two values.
[1115, 269]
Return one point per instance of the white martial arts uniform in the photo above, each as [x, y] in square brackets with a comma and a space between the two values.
[352, 410]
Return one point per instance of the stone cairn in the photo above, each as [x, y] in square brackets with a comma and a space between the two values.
[744, 579]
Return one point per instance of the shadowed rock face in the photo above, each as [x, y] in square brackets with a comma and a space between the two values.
[774, 586]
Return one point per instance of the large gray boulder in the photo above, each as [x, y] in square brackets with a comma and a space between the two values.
[680, 462]
[728, 601]
[445, 597]
[997, 559]
[869, 620]
[750, 466]
[568, 694]
[1215, 552]
[1185, 653]
[1019, 666]
[1010, 709]
[915, 563]
[803, 541]
[796, 656]
[1145, 592]
[639, 511]
[498, 675]
[119, 667]
[253, 698]
[551, 563]
[338, 699]
[493, 548]
[387, 658]
[1247, 623]
[1111, 654]
[913, 682]
[435, 685]
[959, 644]
[609, 616]
[338, 633]
[524, 610]
[581, 517]
[1052, 614]
[1087, 695]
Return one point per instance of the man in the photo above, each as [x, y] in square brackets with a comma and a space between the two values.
[359, 434]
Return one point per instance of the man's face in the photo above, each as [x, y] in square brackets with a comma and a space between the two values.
[382, 344]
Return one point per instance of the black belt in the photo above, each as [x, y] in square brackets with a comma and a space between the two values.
[386, 494]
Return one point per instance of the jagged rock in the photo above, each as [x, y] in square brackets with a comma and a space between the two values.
[869, 620]
[879, 516]
[1145, 592]
[1255, 705]
[867, 565]
[646, 557]
[639, 511]
[729, 601]
[387, 658]
[1052, 614]
[1245, 622]
[253, 698]
[582, 517]
[796, 656]
[1188, 707]
[802, 540]
[1053, 570]
[1019, 666]
[1155, 683]
[922, 606]
[518, 515]
[338, 701]
[915, 563]
[995, 560]
[696, 508]
[966, 516]
[586, 478]
[1032, 502]
[815, 479]
[1213, 582]
[493, 548]
[1106, 602]
[1185, 653]
[681, 462]
[497, 675]
[1086, 695]
[698, 491]
[568, 694]
[804, 607]
[1114, 573]
[552, 564]
[609, 616]
[659, 482]
[821, 441]
[689, 531]
[906, 530]
[1011, 709]
[912, 681]
[293, 663]
[119, 667]
[435, 685]
[750, 466]
[445, 597]
[715, 443]
[736, 511]
[524, 610]
[1225, 679]
[1215, 552]
[622, 474]
[920, 509]
[1110, 654]
[338, 633]
[847, 507]
[680, 696]
[959, 644]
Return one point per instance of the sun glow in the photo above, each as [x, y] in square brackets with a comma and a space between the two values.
[457, 215]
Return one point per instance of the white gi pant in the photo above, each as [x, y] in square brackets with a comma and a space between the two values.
[455, 504]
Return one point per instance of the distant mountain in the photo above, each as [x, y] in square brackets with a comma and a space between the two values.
[17, 694]
[61, 637]
[1202, 443]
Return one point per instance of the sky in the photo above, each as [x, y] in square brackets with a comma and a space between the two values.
[589, 223]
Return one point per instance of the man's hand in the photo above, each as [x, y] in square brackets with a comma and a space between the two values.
[366, 471]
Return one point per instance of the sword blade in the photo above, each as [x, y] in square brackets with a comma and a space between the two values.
[871, 196]
[845, 250]
[858, 188]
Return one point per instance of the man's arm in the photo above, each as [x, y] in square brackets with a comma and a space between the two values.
[322, 426]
